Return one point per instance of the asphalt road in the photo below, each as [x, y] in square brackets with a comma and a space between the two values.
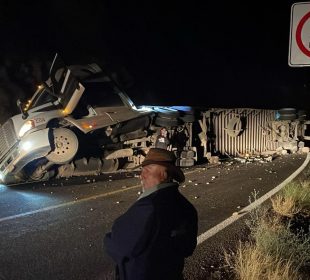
[54, 230]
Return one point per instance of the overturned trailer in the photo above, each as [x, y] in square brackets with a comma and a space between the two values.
[242, 131]
[80, 122]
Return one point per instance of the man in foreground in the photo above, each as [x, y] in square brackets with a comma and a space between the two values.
[155, 235]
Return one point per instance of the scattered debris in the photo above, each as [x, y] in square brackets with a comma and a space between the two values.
[214, 160]
[305, 149]
[270, 171]
[256, 158]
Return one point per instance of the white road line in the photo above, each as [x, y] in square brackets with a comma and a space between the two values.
[209, 233]
[66, 204]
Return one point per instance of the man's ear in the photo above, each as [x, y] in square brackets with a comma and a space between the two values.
[164, 175]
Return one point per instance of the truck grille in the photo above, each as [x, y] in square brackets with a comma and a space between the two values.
[7, 137]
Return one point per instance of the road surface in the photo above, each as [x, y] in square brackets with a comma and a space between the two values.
[54, 230]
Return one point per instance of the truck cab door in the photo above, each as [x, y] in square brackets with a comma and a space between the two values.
[65, 85]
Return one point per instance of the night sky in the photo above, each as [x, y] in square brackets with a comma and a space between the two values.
[164, 53]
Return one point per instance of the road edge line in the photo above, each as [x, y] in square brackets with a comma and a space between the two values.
[214, 230]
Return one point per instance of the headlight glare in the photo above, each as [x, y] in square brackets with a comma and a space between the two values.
[26, 127]
[26, 146]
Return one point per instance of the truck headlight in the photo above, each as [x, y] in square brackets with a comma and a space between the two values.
[26, 127]
[26, 146]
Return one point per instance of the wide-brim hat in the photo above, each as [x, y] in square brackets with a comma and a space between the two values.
[165, 158]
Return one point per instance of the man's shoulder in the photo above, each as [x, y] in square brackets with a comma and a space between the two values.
[171, 193]
[145, 202]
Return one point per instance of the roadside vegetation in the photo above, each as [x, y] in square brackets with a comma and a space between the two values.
[279, 243]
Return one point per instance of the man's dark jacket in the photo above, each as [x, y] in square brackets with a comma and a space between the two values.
[151, 240]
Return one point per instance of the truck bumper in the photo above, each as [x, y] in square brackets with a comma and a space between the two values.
[33, 146]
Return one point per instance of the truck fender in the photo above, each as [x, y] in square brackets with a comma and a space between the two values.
[33, 146]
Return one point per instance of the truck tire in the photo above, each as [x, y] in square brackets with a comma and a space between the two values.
[287, 117]
[287, 111]
[168, 114]
[109, 165]
[167, 122]
[188, 118]
[65, 144]
[44, 176]
[287, 114]
[302, 115]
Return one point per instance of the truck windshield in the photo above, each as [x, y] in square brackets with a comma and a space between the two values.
[101, 94]
[41, 97]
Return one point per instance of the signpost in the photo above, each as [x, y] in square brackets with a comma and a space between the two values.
[299, 46]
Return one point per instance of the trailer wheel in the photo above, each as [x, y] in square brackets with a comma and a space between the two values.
[188, 118]
[167, 122]
[302, 115]
[287, 117]
[65, 145]
[287, 114]
[109, 165]
[287, 111]
[169, 114]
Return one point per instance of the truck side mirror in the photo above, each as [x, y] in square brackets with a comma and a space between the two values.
[20, 106]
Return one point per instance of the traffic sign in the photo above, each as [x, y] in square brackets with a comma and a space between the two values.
[299, 46]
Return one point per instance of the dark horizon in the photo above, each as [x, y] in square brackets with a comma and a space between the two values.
[213, 55]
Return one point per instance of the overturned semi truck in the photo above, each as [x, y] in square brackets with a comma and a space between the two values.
[80, 122]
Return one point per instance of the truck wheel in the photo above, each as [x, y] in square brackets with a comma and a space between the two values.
[169, 114]
[65, 145]
[188, 118]
[166, 122]
[287, 114]
[287, 117]
[287, 111]
[109, 165]
[302, 115]
[44, 176]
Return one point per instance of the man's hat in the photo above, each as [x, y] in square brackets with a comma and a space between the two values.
[165, 158]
